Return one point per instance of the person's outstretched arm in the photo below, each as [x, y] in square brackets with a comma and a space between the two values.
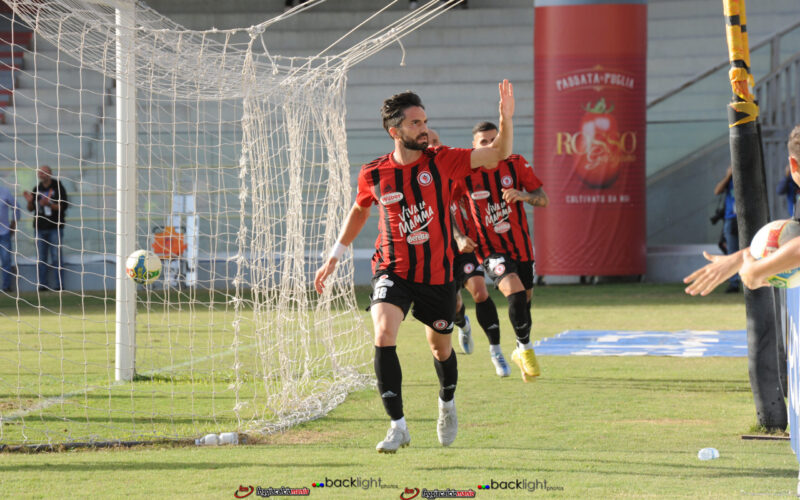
[704, 280]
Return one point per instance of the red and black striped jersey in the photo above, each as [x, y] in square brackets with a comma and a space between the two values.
[460, 210]
[501, 228]
[415, 239]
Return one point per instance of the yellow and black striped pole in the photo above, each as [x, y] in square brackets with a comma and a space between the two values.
[767, 371]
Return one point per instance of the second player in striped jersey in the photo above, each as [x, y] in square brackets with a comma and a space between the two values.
[502, 241]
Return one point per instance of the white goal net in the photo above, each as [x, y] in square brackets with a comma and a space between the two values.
[228, 161]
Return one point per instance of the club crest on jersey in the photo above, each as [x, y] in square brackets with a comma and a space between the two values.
[440, 324]
[418, 238]
[424, 178]
[507, 181]
[390, 198]
[469, 267]
[480, 195]
[502, 227]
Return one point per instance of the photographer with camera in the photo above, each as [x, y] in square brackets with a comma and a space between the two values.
[730, 229]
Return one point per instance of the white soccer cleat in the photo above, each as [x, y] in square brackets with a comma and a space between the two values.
[447, 425]
[396, 438]
[500, 365]
[465, 337]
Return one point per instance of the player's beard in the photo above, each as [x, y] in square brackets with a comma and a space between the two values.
[414, 144]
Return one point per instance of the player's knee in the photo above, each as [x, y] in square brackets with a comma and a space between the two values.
[481, 294]
[441, 353]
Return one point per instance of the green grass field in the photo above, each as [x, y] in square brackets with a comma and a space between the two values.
[591, 427]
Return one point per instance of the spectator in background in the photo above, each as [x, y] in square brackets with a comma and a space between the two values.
[9, 215]
[787, 187]
[49, 203]
[730, 228]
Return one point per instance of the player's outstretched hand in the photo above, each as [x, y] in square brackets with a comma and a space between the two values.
[707, 278]
[751, 278]
[323, 272]
[506, 99]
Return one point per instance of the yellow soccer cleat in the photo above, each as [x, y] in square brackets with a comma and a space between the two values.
[526, 360]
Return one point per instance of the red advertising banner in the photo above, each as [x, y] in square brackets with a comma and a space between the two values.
[590, 69]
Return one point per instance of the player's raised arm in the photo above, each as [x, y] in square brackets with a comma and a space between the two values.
[352, 226]
[501, 147]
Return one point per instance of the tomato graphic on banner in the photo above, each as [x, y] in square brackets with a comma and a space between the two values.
[597, 158]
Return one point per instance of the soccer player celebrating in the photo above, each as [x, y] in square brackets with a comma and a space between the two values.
[503, 241]
[469, 274]
[413, 260]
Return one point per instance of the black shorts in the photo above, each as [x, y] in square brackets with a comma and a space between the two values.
[465, 266]
[434, 305]
[499, 265]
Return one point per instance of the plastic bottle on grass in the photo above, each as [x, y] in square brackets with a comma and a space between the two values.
[708, 454]
[229, 438]
[207, 440]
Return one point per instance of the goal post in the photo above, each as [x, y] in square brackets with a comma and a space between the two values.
[125, 357]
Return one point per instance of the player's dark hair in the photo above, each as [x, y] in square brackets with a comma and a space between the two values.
[394, 108]
[794, 143]
[483, 127]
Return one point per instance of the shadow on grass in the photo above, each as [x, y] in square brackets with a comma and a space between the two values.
[711, 470]
[676, 384]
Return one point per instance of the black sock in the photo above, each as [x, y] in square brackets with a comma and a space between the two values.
[518, 314]
[486, 312]
[390, 379]
[460, 321]
[528, 313]
[448, 376]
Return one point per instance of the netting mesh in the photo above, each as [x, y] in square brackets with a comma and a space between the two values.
[242, 175]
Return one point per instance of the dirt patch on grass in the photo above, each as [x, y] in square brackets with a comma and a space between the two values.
[15, 404]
